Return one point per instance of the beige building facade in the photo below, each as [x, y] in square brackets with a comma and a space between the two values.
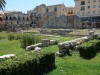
[87, 8]
[59, 9]
[41, 13]
[88, 11]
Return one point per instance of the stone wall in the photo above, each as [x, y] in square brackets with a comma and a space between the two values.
[50, 20]
[56, 31]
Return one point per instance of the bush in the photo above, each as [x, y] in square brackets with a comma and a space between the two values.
[89, 49]
[11, 36]
[1, 37]
[28, 39]
[98, 37]
[28, 64]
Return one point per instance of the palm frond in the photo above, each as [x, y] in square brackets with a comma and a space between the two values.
[2, 4]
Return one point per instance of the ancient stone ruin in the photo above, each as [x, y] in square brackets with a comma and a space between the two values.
[65, 47]
[44, 43]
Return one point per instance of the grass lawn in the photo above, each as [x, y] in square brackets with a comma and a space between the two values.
[68, 65]
[13, 47]
[74, 65]
[10, 47]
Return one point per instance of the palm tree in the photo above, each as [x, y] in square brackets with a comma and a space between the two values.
[2, 4]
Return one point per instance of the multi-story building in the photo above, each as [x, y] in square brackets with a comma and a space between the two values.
[59, 9]
[88, 10]
[54, 16]
[84, 8]
[14, 20]
[42, 11]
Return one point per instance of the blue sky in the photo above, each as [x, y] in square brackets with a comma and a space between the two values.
[24, 5]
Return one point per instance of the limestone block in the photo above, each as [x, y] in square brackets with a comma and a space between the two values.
[7, 56]
[45, 42]
[37, 49]
[59, 54]
[91, 33]
[64, 47]
[52, 42]
[32, 47]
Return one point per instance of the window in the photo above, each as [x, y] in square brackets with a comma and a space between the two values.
[94, 6]
[23, 18]
[94, 0]
[6, 18]
[88, 7]
[55, 9]
[10, 18]
[1, 19]
[94, 12]
[47, 10]
[99, 0]
[14, 18]
[83, 13]
[34, 22]
[82, 2]
[82, 8]
[88, 12]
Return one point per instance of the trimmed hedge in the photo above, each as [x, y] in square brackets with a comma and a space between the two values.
[98, 37]
[89, 49]
[28, 64]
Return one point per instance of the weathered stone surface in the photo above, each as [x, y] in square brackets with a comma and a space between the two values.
[45, 31]
[91, 34]
[37, 49]
[56, 31]
[59, 54]
[7, 56]
[52, 42]
[64, 47]
[45, 42]
[63, 21]
[32, 47]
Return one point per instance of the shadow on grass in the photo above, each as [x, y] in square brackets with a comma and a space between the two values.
[88, 57]
[47, 71]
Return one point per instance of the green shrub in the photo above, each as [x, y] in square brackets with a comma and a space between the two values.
[18, 36]
[28, 39]
[28, 64]
[89, 49]
[98, 37]
[11, 36]
[1, 37]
